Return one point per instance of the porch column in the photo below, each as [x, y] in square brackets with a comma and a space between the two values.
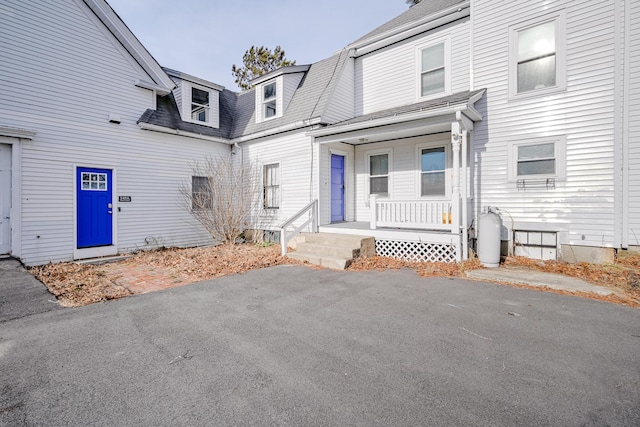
[456, 136]
[373, 211]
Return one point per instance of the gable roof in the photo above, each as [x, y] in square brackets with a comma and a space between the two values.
[130, 42]
[312, 96]
[425, 8]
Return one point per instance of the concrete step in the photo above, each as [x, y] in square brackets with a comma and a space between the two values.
[332, 250]
[347, 252]
[336, 263]
[334, 239]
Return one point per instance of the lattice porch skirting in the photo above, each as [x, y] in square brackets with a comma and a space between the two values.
[416, 251]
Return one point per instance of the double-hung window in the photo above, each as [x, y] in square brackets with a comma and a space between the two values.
[269, 105]
[200, 105]
[201, 194]
[432, 74]
[271, 186]
[537, 57]
[432, 171]
[379, 174]
[433, 65]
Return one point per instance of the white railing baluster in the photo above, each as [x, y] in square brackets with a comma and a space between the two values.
[420, 214]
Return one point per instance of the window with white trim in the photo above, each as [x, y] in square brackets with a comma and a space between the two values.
[539, 158]
[537, 56]
[378, 165]
[433, 64]
[433, 167]
[269, 104]
[271, 186]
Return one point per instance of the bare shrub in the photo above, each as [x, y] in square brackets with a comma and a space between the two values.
[222, 195]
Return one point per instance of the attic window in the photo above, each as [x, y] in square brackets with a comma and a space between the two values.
[200, 105]
[269, 100]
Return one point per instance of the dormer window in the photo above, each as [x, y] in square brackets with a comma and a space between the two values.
[269, 100]
[200, 105]
[198, 99]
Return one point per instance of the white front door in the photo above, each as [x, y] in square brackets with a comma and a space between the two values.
[5, 198]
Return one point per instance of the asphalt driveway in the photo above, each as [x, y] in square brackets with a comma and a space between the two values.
[293, 346]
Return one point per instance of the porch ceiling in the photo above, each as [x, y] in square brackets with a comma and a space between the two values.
[427, 117]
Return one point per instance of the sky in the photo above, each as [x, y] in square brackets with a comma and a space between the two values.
[205, 38]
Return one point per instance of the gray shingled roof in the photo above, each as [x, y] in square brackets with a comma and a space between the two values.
[237, 111]
[453, 99]
[308, 102]
[419, 11]
[167, 114]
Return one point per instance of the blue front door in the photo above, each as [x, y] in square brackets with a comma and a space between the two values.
[337, 188]
[94, 207]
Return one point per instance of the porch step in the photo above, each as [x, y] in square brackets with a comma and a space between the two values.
[332, 250]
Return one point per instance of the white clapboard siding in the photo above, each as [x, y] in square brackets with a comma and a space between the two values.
[582, 205]
[341, 103]
[62, 76]
[388, 77]
[294, 153]
[634, 127]
[403, 170]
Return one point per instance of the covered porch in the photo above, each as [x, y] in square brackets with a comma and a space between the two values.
[401, 176]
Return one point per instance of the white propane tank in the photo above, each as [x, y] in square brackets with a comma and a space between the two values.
[489, 231]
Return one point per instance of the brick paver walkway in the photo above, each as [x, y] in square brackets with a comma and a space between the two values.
[142, 279]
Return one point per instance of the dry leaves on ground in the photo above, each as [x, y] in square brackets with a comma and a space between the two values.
[79, 284]
[76, 284]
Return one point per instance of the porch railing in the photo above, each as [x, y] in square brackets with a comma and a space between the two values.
[312, 210]
[420, 214]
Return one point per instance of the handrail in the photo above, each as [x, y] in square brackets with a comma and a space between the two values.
[284, 238]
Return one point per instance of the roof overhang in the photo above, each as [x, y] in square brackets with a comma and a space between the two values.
[280, 71]
[193, 79]
[404, 125]
[162, 129]
[403, 32]
[123, 34]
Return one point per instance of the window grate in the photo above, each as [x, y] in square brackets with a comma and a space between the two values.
[536, 244]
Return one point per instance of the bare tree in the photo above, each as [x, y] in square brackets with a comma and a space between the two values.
[222, 195]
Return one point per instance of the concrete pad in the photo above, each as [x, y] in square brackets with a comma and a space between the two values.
[523, 276]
